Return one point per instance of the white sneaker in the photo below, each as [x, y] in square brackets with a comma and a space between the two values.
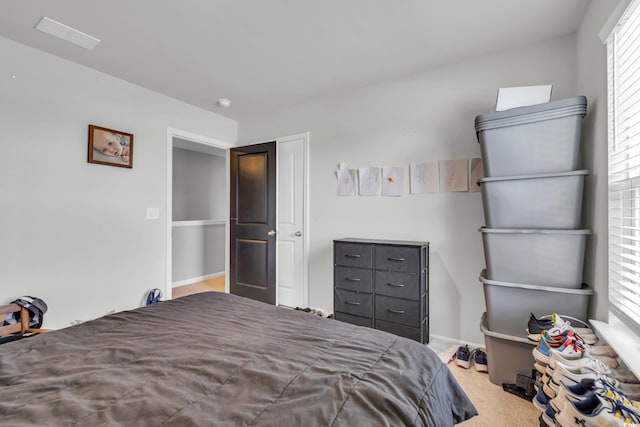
[585, 388]
[602, 350]
[597, 411]
[575, 364]
[591, 370]
[565, 344]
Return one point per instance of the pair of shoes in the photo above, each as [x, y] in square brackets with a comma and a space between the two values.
[566, 344]
[464, 355]
[603, 406]
[555, 356]
[536, 326]
[574, 373]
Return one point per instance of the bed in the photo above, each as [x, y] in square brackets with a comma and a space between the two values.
[216, 359]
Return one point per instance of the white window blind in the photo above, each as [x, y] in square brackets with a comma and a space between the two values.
[623, 70]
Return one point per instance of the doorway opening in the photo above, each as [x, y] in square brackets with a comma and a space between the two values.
[197, 213]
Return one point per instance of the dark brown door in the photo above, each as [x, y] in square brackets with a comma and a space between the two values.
[252, 269]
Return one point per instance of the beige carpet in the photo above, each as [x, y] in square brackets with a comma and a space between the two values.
[496, 408]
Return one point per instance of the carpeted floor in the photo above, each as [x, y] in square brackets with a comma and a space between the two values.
[496, 407]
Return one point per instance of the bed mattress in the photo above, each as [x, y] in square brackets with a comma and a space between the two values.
[216, 359]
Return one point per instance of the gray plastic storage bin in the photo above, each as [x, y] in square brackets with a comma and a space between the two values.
[507, 356]
[534, 139]
[540, 257]
[533, 201]
[509, 304]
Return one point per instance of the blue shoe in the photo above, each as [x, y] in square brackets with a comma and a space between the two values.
[463, 356]
[549, 416]
[480, 360]
[540, 400]
[597, 410]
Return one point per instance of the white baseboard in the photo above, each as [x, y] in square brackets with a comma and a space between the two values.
[196, 279]
[456, 341]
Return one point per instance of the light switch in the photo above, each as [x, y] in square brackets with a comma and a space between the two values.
[153, 213]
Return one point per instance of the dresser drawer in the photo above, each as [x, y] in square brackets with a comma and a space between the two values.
[401, 285]
[398, 258]
[354, 320]
[405, 312]
[404, 331]
[354, 303]
[354, 279]
[353, 255]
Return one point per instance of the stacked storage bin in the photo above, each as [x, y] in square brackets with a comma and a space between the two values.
[533, 244]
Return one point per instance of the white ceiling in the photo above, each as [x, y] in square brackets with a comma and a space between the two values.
[268, 54]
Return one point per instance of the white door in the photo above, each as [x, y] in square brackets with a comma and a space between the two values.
[292, 220]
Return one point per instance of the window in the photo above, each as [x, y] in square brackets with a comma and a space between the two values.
[623, 62]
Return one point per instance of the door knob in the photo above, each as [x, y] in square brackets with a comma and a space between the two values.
[298, 233]
[272, 233]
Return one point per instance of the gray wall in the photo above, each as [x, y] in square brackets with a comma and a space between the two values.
[199, 193]
[197, 251]
[592, 82]
[428, 116]
[75, 233]
[199, 186]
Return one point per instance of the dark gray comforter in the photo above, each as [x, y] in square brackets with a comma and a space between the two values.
[220, 360]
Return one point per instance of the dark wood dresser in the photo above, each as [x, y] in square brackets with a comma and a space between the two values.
[383, 284]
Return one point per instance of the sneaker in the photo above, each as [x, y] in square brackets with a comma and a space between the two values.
[570, 376]
[559, 357]
[540, 400]
[480, 360]
[565, 344]
[536, 327]
[549, 416]
[596, 410]
[631, 390]
[626, 377]
[463, 356]
[540, 367]
[563, 327]
[583, 389]
[548, 390]
[603, 350]
[576, 364]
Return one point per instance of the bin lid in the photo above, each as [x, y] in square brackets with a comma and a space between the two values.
[533, 176]
[532, 113]
[531, 231]
[485, 330]
[585, 290]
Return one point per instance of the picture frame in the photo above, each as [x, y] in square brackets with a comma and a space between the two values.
[110, 147]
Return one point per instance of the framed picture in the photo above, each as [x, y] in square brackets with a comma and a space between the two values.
[110, 147]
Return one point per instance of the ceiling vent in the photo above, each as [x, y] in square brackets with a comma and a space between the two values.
[66, 33]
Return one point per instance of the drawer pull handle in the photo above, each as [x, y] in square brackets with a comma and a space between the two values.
[351, 279]
[395, 311]
[395, 259]
[352, 303]
[353, 255]
[395, 285]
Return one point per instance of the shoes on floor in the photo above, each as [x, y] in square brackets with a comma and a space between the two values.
[465, 355]
[480, 360]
